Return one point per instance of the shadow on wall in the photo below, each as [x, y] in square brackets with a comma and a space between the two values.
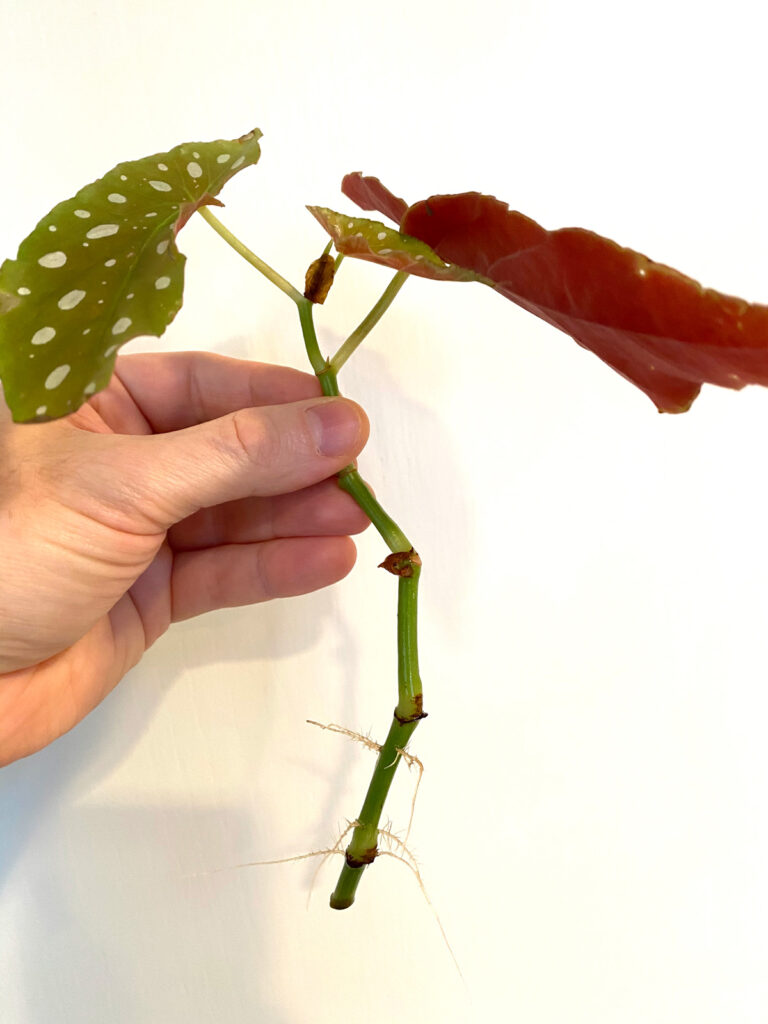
[87, 884]
[78, 761]
[137, 936]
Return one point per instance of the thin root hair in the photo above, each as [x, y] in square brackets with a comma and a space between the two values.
[343, 731]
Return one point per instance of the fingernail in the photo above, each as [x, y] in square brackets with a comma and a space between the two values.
[335, 426]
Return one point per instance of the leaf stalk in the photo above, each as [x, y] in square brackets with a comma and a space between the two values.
[371, 319]
[251, 257]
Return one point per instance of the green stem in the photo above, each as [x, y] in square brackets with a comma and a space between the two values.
[251, 257]
[319, 364]
[410, 696]
[351, 482]
[404, 562]
[409, 711]
[363, 846]
[370, 321]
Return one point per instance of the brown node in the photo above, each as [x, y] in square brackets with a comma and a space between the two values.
[366, 857]
[401, 563]
[319, 278]
[418, 713]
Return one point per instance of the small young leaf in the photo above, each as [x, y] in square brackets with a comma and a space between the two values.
[102, 268]
[656, 327]
[374, 241]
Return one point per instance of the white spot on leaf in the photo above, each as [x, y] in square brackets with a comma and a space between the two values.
[41, 410]
[82, 213]
[23, 291]
[110, 263]
[162, 282]
[110, 350]
[161, 247]
[153, 214]
[196, 156]
[160, 186]
[223, 157]
[123, 178]
[381, 235]
[103, 231]
[71, 299]
[194, 170]
[43, 336]
[121, 325]
[53, 260]
[89, 388]
[240, 160]
[162, 167]
[52, 227]
[55, 377]
[116, 197]
[384, 252]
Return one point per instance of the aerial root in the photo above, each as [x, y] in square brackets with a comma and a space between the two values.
[407, 858]
[336, 848]
[401, 851]
[279, 860]
[411, 760]
[342, 731]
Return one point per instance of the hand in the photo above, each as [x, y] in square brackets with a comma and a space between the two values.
[192, 482]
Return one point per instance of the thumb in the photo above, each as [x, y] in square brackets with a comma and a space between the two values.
[160, 479]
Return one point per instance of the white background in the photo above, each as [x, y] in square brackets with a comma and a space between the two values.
[591, 827]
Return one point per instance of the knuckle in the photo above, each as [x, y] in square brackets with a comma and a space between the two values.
[254, 438]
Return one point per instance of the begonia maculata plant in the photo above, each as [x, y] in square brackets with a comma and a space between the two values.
[103, 267]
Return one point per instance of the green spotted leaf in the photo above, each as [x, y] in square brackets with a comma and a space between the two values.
[371, 240]
[102, 268]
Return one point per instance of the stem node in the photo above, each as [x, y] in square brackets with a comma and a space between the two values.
[401, 563]
[413, 716]
[362, 859]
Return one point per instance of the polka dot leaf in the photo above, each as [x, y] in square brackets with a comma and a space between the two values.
[371, 240]
[102, 268]
[658, 328]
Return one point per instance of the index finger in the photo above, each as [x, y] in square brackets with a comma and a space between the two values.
[175, 390]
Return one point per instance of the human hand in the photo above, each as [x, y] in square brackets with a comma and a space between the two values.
[193, 482]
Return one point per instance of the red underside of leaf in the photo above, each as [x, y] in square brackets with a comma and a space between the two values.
[370, 194]
[658, 328]
[187, 209]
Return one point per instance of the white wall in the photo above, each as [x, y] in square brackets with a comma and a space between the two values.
[592, 822]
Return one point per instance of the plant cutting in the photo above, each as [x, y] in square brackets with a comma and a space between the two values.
[103, 267]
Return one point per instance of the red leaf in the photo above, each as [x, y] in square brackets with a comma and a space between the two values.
[370, 194]
[658, 328]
